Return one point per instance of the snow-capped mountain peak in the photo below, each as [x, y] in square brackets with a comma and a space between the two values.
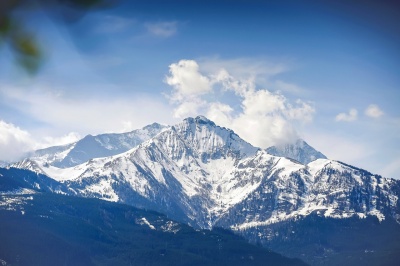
[299, 151]
[212, 141]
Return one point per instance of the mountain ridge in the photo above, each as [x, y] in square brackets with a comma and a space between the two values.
[89, 147]
[206, 176]
[205, 170]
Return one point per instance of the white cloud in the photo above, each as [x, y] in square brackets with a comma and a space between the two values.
[13, 141]
[55, 141]
[263, 118]
[263, 102]
[230, 83]
[220, 112]
[348, 117]
[55, 114]
[373, 111]
[263, 130]
[186, 80]
[58, 114]
[288, 87]
[243, 68]
[302, 112]
[189, 107]
[162, 29]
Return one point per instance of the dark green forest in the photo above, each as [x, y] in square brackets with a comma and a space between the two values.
[51, 229]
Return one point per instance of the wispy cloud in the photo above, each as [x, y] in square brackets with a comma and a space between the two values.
[58, 114]
[48, 141]
[244, 68]
[263, 118]
[288, 87]
[163, 29]
[373, 111]
[114, 24]
[261, 71]
[352, 115]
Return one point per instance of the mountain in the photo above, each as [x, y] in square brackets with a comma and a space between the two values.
[94, 147]
[299, 151]
[207, 176]
[39, 228]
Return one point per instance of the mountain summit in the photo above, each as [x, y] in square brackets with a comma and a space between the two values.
[299, 151]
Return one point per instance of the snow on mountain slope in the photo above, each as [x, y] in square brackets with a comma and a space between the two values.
[94, 147]
[184, 164]
[206, 175]
[329, 188]
[31, 165]
[299, 151]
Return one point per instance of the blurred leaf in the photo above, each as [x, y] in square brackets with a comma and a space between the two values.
[27, 52]
[26, 44]
[23, 43]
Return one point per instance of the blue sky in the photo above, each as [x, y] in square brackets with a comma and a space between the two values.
[325, 71]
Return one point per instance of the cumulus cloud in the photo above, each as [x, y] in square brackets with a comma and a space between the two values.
[373, 111]
[347, 117]
[13, 141]
[220, 112]
[16, 142]
[188, 107]
[162, 29]
[302, 111]
[262, 117]
[186, 80]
